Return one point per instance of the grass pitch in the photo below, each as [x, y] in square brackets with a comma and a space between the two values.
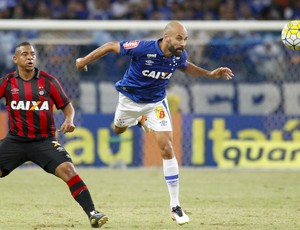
[138, 199]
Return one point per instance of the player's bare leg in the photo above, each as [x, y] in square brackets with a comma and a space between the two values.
[143, 123]
[65, 171]
[119, 130]
[171, 173]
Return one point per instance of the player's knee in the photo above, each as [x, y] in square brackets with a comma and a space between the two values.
[167, 151]
[65, 171]
[165, 154]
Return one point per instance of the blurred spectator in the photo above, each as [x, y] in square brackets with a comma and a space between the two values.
[17, 12]
[268, 59]
[42, 11]
[144, 6]
[293, 65]
[8, 40]
[58, 9]
[5, 13]
[198, 7]
[7, 8]
[136, 13]
[156, 16]
[161, 7]
[153, 9]
[271, 12]
[77, 9]
[258, 5]
[212, 8]
[119, 9]
[245, 12]
[182, 11]
[99, 10]
[29, 8]
[228, 11]
[292, 11]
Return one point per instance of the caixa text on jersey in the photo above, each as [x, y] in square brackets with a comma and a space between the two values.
[29, 105]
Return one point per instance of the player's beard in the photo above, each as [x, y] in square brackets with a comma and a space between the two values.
[176, 52]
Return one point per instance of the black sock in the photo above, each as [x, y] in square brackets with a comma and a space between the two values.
[81, 194]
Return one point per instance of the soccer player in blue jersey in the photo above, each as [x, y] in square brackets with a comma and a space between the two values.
[142, 93]
[30, 95]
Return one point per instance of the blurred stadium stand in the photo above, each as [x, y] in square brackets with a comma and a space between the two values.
[262, 54]
[151, 9]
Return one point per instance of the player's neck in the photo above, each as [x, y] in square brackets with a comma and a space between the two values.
[26, 74]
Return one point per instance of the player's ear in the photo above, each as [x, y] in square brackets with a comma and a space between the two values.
[166, 37]
[15, 59]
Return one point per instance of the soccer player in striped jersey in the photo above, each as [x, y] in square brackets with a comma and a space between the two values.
[30, 96]
[142, 93]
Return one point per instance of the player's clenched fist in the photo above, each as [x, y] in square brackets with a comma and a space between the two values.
[80, 64]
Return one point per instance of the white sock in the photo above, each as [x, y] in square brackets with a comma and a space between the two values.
[171, 173]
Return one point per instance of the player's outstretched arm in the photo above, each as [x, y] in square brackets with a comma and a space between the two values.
[82, 62]
[222, 72]
[195, 71]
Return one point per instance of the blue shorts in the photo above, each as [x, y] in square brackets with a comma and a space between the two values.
[47, 153]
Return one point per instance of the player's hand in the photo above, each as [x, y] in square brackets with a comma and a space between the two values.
[67, 127]
[222, 72]
[80, 65]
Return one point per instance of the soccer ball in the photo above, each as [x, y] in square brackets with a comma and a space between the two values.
[290, 35]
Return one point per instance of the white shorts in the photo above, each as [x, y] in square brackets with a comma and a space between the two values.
[158, 114]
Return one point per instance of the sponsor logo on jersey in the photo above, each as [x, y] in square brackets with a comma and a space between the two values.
[149, 62]
[55, 143]
[156, 75]
[163, 123]
[58, 147]
[131, 44]
[151, 55]
[41, 91]
[14, 91]
[29, 105]
[160, 112]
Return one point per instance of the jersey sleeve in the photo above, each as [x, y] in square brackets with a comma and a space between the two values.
[131, 48]
[183, 64]
[58, 94]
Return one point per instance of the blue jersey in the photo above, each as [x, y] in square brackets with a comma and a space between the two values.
[148, 75]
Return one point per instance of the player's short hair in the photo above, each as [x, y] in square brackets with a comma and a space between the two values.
[22, 44]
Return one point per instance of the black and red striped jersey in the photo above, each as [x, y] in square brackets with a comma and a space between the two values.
[30, 104]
